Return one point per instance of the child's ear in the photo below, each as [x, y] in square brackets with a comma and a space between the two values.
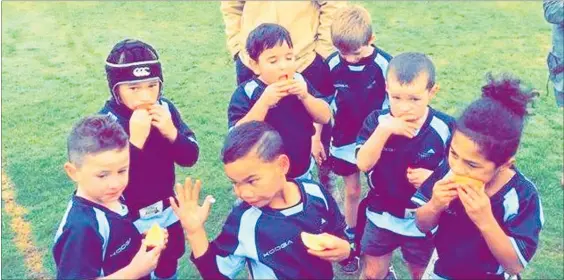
[434, 90]
[284, 163]
[71, 170]
[372, 39]
[509, 163]
[254, 66]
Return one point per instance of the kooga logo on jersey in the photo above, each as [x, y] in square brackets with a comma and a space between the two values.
[278, 248]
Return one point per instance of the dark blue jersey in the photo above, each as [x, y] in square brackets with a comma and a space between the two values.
[390, 191]
[151, 171]
[360, 88]
[268, 240]
[462, 251]
[289, 117]
[93, 241]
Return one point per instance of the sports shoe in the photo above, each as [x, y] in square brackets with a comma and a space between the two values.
[350, 265]
[391, 274]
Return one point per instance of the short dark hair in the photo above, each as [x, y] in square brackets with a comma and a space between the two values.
[495, 121]
[253, 135]
[266, 36]
[95, 134]
[408, 66]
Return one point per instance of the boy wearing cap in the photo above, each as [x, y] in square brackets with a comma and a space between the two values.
[158, 138]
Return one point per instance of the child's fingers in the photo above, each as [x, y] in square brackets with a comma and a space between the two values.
[174, 206]
[196, 190]
[208, 201]
[179, 194]
[188, 189]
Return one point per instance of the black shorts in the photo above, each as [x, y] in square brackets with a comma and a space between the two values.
[378, 241]
[342, 167]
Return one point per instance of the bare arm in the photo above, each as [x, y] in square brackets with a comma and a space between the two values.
[369, 154]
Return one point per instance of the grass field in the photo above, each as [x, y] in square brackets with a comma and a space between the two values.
[53, 74]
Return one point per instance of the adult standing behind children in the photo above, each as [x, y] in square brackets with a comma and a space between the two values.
[554, 13]
[309, 24]
[158, 137]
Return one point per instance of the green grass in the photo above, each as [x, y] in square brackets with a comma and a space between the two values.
[52, 74]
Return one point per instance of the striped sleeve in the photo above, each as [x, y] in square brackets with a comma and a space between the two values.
[368, 127]
[425, 192]
[78, 253]
[239, 106]
[523, 221]
[226, 255]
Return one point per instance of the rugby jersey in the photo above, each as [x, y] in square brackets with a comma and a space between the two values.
[289, 117]
[268, 240]
[462, 251]
[93, 241]
[390, 192]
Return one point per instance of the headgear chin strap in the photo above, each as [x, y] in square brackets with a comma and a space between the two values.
[133, 72]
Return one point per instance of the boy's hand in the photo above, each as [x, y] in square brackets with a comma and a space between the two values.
[317, 150]
[399, 126]
[337, 249]
[416, 176]
[145, 261]
[162, 120]
[273, 93]
[444, 191]
[139, 127]
[191, 215]
[298, 88]
[477, 206]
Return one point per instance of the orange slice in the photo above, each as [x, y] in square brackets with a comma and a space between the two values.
[477, 185]
[155, 236]
[312, 241]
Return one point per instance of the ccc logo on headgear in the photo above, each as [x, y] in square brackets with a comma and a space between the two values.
[141, 72]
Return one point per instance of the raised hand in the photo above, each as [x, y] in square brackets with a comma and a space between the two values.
[416, 176]
[192, 216]
[162, 120]
[274, 93]
[399, 126]
[139, 127]
[477, 206]
[444, 191]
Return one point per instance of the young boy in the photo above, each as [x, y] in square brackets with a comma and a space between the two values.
[264, 230]
[158, 138]
[357, 73]
[397, 148]
[279, 96]
[96, 238]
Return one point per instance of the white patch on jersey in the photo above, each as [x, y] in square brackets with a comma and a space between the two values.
[250, 88]
[510, 204]
[441, 128]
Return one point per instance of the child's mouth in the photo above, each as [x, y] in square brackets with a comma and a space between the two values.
[283, 78]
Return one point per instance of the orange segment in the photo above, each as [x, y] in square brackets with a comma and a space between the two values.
[312, 241]
[477, 185]
[155, 236]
